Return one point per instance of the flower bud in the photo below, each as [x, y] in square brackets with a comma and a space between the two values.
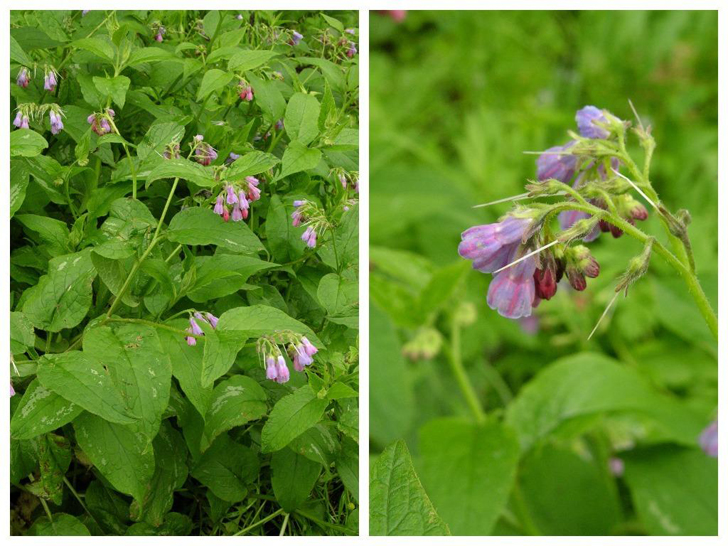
[545, 277]
[425, 345]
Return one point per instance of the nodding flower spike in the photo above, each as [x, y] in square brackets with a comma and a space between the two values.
[308, 346]
[586, 118]
[56, 122]
[161, 31]
[23, 77]
[21, 121]
[237, 213]
[243, 201]
[558, 166]
[512, 291]
[297, 218]
[195, 328]
[309, 237]
[490, 245]
[709, 440]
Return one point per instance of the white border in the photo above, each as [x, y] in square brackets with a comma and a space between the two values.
[364, 6]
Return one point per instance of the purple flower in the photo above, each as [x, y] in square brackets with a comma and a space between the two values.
[219, 207]
[191, 341]
[352, 50]
[160, 32]
[490, 245]
[512, 291]
[237, 213]
[299, 203]
[195, 328]
[245, 91]
[23, 77]
[297, 218]
[204, 154]
[557, 166]
[709, 440]
[12, 390]
[253, 190]
[18, 121]
[84, 12]
[342, 179]
[56, 122]
[309, 237]
[25, 122]
[279, 125]
[568, 218]
[303, 357]
[296, 38]
[243, 201]
[212, 319]
[231, 158]
[297, 364]
[308, 346]
[282, 370]
[50, 81]
[271, 370]
[616, 467]
[586, 118]
[232, 197]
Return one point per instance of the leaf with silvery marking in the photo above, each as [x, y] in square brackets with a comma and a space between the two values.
[22, 334]
[293, 477]
[107, 507]
[26, 143]
[235, 402]
[123, 456]
[347, 418]
[319, 443]
[63, 525]
[41, 410]
[62, 298]
[87, 383]
[170, 456]
[291, 416]
[54, 457]
[227, 468]
[399, 505]
[201, 226]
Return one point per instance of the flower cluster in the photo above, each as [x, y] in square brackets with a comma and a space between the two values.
[23, 78]
[22, 119]
[298, 348]
[171, 150]
[160, 32]
[55, 115]
[29, 112]
[309, 215]
[296, 38]
[347, 178]
[238, 196]
[245, 91]
[204, 154]
[101, 122]
[194, 328]
[51, 79]
[526, 258]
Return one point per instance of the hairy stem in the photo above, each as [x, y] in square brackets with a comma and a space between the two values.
[461, 376]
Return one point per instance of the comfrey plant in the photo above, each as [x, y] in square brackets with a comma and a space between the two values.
[593, 184]
[299, 349]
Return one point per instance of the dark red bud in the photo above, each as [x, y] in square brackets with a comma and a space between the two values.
[639, 212]
[545, 281]
[591, 269]
[576, 279]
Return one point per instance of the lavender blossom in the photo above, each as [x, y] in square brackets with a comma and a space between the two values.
[237, 213]
[271, 370]
[352, 50]
[309, 237]
[586, 118]
[50, 81]
[212, 319]
[23, 77]
[512, 291]
[219, 206]
[308, 346]
[558, 166]
[253, 190]
[282, 370]
[232, 197]
[490, 245]
[195, 328]
[709, 440]
[56, 122]
[231, 158]
[296, 38]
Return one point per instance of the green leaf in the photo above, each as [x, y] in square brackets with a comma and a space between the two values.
[301, 121]
[211, 23]
[107, 507]
[268, 97]
[297, 158]
[235, 402]
[337, 294]
[234, 269]
[170, 474]
[213, 80]
[227, 468]
[97, 46]
[589, 383]
[26, 143]
[347, 466]
[19, 178]
[291, 416]
[347, 242]
[250, 164]
[63, 525]
[17, 55]
[40, 411]
[249, 59]
[54, 457]
[221, 349]
[319, 444]
[139, 368]
[201, 226]
[332, 72]
[115, 88]
[293, 478]
[399, 505]
[114, 274]
[150, 55]
[328, 113]
[183, 169]
[260, 320]
[124, 457]
[674, 489]
[283, 240]
[468, 471]
[333, 23]
[22, 334]
[62, 298]
[391, 399]
[87, 383]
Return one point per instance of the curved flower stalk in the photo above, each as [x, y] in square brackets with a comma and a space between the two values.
[271, 348]
[312, 217]
[528, 257]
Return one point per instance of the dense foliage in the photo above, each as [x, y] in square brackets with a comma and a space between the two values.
[481, 424]
[184, 287]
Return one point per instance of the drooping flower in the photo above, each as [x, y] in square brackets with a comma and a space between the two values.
[512, 291]
[195, 328]
[84, 12]
[279, 125]
[100, 123]
[352, 50]
[204, 153]
[245, 91]
[12, 390]
[161, 31]
[244, 204]
[283, 375]
[212, 319]
[237, 213]
[579, 265]
[547, 277]
[709, 440]
[171, 151]
[231, 158]
[490, 245]
[191, 341]
[297, 215]
[342, 180]
[56, 121]
[308, 346]
[551, 164]
[568, 218]
[219, 206]
[50, 81]
[588, 119]
[296, 38]
[232, 197]
[23, 77]
[225, 214]
[271, 370]
[309, 237]
[253, 190]
[21, 121]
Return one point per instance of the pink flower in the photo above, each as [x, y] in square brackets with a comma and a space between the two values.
[560, 167]
[512, 291]
[490, 245]
[282, 370]
[271, 370]
[237, 213]
[23, 77]
[308, 346]
[309, 237]
[219, 206]
[50, 81]
[232, 197]
[195, 328]
[709, 440]
[212, 319]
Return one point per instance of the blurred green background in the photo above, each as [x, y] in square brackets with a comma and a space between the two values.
[456, 98]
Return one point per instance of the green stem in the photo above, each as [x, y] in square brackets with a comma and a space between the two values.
[153, 325]
[260, 522]
[689, 277]
[461, 376]
[333, 244]
[519, 505]
[285, 524]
